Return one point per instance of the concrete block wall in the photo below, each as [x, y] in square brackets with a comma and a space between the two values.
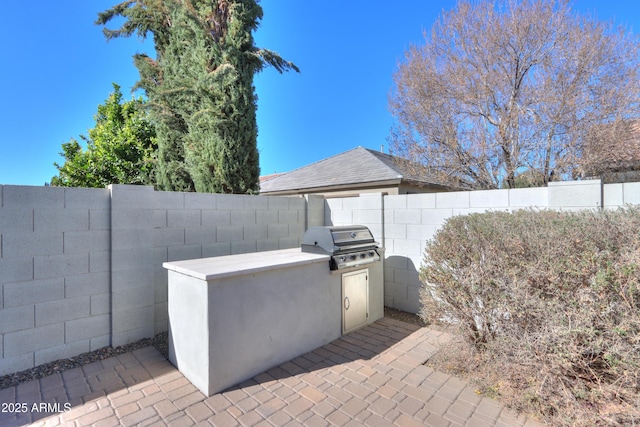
[81, 269]
[54, 274]
[410, 221]
[198, 225]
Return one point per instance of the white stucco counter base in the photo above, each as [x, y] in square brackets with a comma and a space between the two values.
[235, 316]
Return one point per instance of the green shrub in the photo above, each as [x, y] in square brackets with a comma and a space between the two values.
[551, 300]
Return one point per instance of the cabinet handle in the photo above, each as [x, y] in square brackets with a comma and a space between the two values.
[347, 304]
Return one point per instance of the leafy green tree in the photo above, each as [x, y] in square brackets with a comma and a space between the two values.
[119, 149]
[200, 88]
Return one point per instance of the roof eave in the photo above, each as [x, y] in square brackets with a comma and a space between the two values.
[339, 187]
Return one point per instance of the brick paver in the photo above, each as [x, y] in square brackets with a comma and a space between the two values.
[374, 377]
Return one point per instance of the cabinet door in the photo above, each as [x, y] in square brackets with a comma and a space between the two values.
[355, 300]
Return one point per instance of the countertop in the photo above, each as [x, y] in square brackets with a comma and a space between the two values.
[240, 264]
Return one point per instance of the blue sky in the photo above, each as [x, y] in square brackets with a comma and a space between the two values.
[57, 68]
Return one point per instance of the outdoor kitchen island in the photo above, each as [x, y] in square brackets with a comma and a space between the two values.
[233, 317]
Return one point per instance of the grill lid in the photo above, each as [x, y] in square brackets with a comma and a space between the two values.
[337, 239]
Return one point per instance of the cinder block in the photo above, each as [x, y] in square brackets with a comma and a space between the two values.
[131, 219]
[456, 199]
[134, 278]
[631, 193]
[132, 335]
[199, 235]
[16, 319]
[21, 362]
[341, 217]
[397, 201]
[229, 201]
[613, 195]
[168, 237]
[278, 203]
[255, 203]
[395, 231]
[407, 247]
[407, 216]
[408, 305]
[395, 290]
[27, 197]
[87, 284]
[215, 218]
[100, 304]
[333, 204]
[179, 253]
[100, 342]
[130, 259]
[183, 218]
[52, 312]
[420, 201]
[161, 311]
[31, 244]
[351, 203]
[229, 233]
[421, 232]
[128, 196]
[99, 262]
[200, 201]
[87, 328]
[288, 217]
[16, 220]
[99, 219]
[267, 245]
[277, 230]
[216, 249]
[60, 265]
[52, 220]
[489, 198]
[244, 247]
[575, 194]
[243, 217]
[62, 351]
[407, 277]
[163, 200]
[529, 197]
[392, 262]
[159, 218]
[296, 202]
[255, 232]
[132, 325]
[161, 326]
[31, 292]
[128, 299]
[33, 339]
[87, 198]
[370, 201]
[289, 242]
[366, 217]
[87, 241]
[436, 216]
[132, 239]
[267, 217]
[16, 269]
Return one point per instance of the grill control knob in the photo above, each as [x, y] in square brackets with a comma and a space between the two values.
[353, 257]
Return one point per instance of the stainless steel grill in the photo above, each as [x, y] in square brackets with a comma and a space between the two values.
[349, 245]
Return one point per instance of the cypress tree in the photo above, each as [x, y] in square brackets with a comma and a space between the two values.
[200, 88]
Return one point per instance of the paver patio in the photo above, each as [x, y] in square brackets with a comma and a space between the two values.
[373, 377]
